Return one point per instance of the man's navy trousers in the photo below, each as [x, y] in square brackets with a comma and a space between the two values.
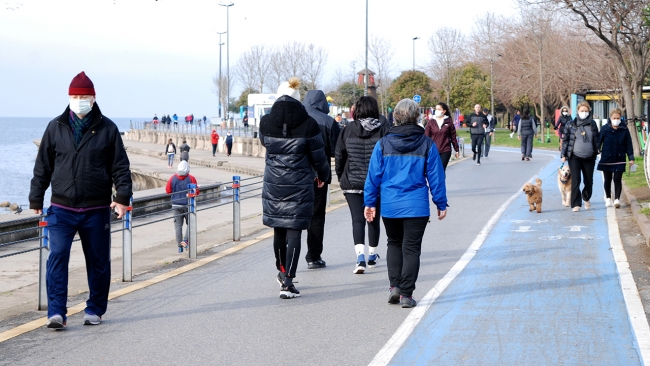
[94, 228]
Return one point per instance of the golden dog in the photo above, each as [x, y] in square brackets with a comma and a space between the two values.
[564, 184]
[534, 195]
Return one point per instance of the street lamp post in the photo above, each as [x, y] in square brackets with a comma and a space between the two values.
[414, 38]
[227, 52]
[365, 83]
[220, 79]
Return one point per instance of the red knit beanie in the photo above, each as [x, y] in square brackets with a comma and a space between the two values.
[81, 85]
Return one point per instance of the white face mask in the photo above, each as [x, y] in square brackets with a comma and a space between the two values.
[438, 113]
[565, 113]
[583, 115]
[81, 106]
[616, 122]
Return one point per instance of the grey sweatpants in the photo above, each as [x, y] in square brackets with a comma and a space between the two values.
[178, 223]
[527, 145]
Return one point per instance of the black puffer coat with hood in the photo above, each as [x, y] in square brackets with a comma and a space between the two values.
[316, 105]
[294, 146]
[353, 152]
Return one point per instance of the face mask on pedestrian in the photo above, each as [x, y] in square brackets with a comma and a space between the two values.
[565, 113]
[583, 115]
[616, 122]
[438, 113]
[81, 106]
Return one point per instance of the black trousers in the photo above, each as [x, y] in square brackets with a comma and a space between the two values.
[486, 145]
[316, 231]
[445, 156]
[580, 165]
[229, 147]
[477, 142]
[355, 203]
[617, 176]
[214, 149]
[404, 248]
[286, 246]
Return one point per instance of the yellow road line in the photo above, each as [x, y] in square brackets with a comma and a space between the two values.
[41, 322]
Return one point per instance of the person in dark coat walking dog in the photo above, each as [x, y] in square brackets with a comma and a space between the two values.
[294, 146]
[615, 144]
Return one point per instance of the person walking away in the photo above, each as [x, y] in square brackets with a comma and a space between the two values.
[526, 132]
[214, 137]
[562, 121]
[489, 132]
[170, 149]
[442, 131]
[205, 119]
[163, 121]
[82, 181]
[169, 122]
[477, 126]
[245, 121]
[317, 108]
[175, 117]
[178, 187]
[396, 175]
[185, 151]
[229, 143]
[155, 122]
[515, 123]
[353, 150]
[615, 143]
[580, 148]
[294, 146]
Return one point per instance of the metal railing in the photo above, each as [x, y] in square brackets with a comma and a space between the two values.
[236, 128]
[133, 220]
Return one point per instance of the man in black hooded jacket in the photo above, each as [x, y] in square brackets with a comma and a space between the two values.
[316, 105]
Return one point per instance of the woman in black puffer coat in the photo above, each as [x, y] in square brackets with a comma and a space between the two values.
[615, 145]
[353, 150]
[294, 147]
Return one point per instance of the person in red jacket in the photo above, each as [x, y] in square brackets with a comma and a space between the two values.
[442, 131]
[177, 186]
[215, 140]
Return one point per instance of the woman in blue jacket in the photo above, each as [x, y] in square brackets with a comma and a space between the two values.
[615, 144]
[401, 165]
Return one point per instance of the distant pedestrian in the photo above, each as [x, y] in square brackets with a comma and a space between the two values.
[526, 131]
[185, 151]
[580, 148]
[442, 131]
[294, 149]
[170, 149]
[478, 124]
[489, 132]
[229, 143]
[175, 119]
[344, 120]
[205, 119]
[317, 107]
[155, 122]
[515, 123]
[245, 122]
[178, 187]
[615, 144]
[214, 137]
[403, 163]
[353, 150]
[82, 157]
[562, 121]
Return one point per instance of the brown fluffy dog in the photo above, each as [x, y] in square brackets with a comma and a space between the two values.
[534, 195]
[564, 184]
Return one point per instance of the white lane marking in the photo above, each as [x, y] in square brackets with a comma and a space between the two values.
[523, 229]
[574, 228]
[391, 347]
[631, 296]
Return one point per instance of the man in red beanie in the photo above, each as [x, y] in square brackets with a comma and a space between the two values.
[82, 157]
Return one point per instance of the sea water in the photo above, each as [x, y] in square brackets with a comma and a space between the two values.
[18, 153]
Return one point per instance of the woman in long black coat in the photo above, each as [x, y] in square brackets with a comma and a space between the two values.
[294, 147]
[615, 144]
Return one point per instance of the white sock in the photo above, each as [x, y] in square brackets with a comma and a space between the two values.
[359, 249]
[372, 250]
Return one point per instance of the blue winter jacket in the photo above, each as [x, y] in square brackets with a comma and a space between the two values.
[400, 166]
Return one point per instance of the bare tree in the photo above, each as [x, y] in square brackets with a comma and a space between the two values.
[221, 90]
[287, 61]
[380, 54]
[313, 59]
[446, 45]
[487, 36]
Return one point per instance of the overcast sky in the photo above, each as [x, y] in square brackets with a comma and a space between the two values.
[147, 56]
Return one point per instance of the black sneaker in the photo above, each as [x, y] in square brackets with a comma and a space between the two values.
[360, 268]
[289, 292]
[474, 156]
[280, 278]
[316, 264]
[407, 301]
[372, 260]
[393, 298]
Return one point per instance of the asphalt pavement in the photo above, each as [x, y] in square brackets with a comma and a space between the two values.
[521, 300]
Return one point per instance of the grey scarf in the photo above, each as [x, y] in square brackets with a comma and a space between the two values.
[582, 125]
[370, 123]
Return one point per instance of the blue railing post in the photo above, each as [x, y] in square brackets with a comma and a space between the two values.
[42, 266]
[236, 213]
[192, 219]
[127, 244]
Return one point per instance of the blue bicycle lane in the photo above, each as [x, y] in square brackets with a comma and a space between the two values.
[542, 289]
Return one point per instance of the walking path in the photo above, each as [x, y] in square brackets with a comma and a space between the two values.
[498, 285]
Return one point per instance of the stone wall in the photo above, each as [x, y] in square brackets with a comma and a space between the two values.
[247, 146]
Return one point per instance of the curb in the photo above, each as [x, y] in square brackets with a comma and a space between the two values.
[641, 219]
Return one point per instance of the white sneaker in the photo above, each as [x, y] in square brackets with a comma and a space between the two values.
[587, 205]
[576, 209]
[608, 202]
[617, 203]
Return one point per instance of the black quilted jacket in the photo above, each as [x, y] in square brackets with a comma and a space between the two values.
[353, 152]
[569, 137]
[293, 147]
